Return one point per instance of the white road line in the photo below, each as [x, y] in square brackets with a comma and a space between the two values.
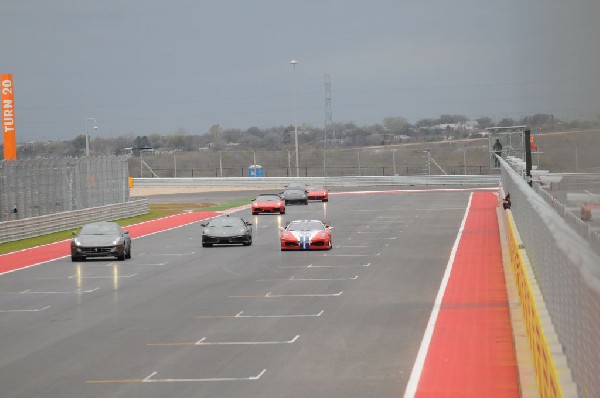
[240, 315]
[331, 266]
[203, 342]
[353, 255]
[100, 277]
[172, 254]
[293, 278]
[270, 295]
[415, 376]
[28, 291]
[36, 310]
[149, 379]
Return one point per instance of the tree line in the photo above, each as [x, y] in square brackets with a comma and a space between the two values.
[392, 130]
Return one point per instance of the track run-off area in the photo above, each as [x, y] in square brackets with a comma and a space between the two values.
[411, 301]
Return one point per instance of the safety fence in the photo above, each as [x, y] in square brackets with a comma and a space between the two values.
[350, 181]
[42, 225]
[36, 187]
[567, 271]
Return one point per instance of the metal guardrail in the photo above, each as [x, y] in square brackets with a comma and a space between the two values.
[352, 181]
[567, 270]
[42, 225]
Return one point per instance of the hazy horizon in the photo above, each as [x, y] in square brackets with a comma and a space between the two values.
[148, 67]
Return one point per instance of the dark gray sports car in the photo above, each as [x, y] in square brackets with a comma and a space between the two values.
[101, 239]
[294, 195]
[226, 230]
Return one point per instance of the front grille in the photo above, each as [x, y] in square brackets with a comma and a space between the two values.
[318, 244]
[292, 244]
[96, 250]
[224, 240]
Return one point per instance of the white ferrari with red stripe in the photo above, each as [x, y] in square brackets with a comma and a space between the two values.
[306, 235]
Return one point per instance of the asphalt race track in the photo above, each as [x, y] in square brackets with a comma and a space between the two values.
[179, 320]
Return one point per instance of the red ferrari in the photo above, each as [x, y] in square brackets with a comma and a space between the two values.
[317, 193]
[306, 235]
[268, 203]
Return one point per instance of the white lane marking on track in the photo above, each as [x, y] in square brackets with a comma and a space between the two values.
[172, 254]
[28, 291]
[271, 295]
[353, 255]
[35, 310]
[415, 376]
[293, 278]
[330, 266]
[149, 379]
[203, 342]
[240, 315]
[100, 277]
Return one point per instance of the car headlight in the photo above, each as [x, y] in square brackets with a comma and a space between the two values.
[205, 232]
[118, 241]
[76, 242]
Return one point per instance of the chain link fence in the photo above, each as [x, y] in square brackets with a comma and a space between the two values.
[37, 187]
[567, 270]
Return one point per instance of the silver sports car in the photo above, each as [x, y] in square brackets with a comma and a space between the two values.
[101, 239]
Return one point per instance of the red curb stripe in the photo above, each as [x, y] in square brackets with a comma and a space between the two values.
[471, 352]
[41, 254]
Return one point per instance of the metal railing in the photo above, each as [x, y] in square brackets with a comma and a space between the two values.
[42, 225]
[350, 181]
[567, 271]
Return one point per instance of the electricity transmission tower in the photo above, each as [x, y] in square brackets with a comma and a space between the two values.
[328, 114]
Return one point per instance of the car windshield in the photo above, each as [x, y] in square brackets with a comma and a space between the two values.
[226, 222]
[293, 191]
[267, 197]
[306, 226]
[296, 185]
[100, 229]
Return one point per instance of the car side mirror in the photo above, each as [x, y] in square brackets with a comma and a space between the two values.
[248, 223]
[281, 228]
[74, 233]
[203, 224]
[126, 232]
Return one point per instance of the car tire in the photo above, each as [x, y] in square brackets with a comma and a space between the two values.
[325, 200]
[254, 213]
[306, 202]
[121, 257]
[206, 244]
[330, 245]
[248, 242]
[128, 253]
[282, 212]
[74, 259]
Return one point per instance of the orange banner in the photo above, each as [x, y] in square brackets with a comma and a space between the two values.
[7, 110]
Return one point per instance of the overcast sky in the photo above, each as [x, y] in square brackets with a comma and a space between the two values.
[145, 66]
